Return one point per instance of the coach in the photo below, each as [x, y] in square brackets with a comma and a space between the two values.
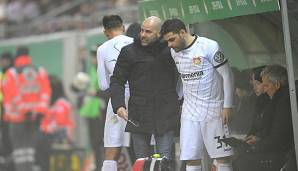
[152, 77]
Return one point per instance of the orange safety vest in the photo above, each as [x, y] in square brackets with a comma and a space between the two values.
[58, 117]
[25, 89]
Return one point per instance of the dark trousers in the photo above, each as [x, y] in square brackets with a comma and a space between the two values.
[142, 147]
[6, 163]
[43, 150]
[23, 138]
[290, 164]
[96, 127]
[259, 162]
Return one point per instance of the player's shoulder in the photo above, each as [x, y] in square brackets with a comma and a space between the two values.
[207, 44]
[125, 38]
[206, 41]
[121, 39]
[114, 40]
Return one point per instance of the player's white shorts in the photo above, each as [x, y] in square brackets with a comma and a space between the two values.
[196, 135]
[114, 135]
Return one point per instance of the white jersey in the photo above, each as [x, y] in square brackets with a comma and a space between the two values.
[107, 55]
[202, 83]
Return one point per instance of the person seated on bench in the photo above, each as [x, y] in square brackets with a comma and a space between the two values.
[257, 128]
[267, 150]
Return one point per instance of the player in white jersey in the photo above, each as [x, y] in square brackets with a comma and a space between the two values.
[107, 54]
[208, 89]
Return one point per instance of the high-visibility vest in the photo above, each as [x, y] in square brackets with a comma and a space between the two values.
[58, 117]
[92, 105]
[25, 89]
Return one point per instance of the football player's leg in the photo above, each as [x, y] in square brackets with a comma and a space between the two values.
[223, 164]
[113, 139]
[109, 165]
[193, 165]
[192, 147]
[213, 131]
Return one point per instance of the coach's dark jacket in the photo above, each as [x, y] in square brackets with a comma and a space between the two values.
[152, 77]
[276, 133]
[276, 137]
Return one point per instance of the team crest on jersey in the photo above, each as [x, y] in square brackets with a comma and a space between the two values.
[196, 60]
[219, 57]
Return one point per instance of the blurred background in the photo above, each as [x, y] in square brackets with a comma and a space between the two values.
[61, 35]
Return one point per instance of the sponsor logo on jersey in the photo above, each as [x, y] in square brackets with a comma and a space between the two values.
[192, 76]
[196, 60]
[219, 57]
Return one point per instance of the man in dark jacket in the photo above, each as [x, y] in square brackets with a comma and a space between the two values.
[152, 77]
[268, 150]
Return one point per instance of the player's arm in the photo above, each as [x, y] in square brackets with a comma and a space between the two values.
[228, 86]
[223, 68]
[101, 73]
[117, 85]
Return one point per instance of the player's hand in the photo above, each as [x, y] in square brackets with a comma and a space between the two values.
[122, 112]
[226, 114]
[251, 140]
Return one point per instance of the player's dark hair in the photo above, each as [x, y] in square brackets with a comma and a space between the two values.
[112, 21]
[172, 25]
[133, 30]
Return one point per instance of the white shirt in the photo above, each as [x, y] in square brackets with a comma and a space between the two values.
[107, 55]
[202, 83]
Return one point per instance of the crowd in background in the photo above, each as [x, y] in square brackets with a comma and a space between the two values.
[48, 16]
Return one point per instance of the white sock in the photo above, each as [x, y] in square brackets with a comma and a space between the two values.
[109, 165]
[223, 166]
[194, 168]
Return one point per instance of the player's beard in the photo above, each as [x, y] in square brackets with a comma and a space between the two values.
[181, 45]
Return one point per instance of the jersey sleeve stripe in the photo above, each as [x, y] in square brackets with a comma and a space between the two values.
[217, 66]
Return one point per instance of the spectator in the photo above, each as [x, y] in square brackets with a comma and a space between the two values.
[56, 127]
[267, 149]
[14, 12]
[242, 117]
[3, 6]
[30, 9]
[26, 92]
[152, 76]
[6, 62]
[260, 103]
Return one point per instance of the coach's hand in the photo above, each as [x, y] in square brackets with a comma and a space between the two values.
[122, 112]
[226, 114]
